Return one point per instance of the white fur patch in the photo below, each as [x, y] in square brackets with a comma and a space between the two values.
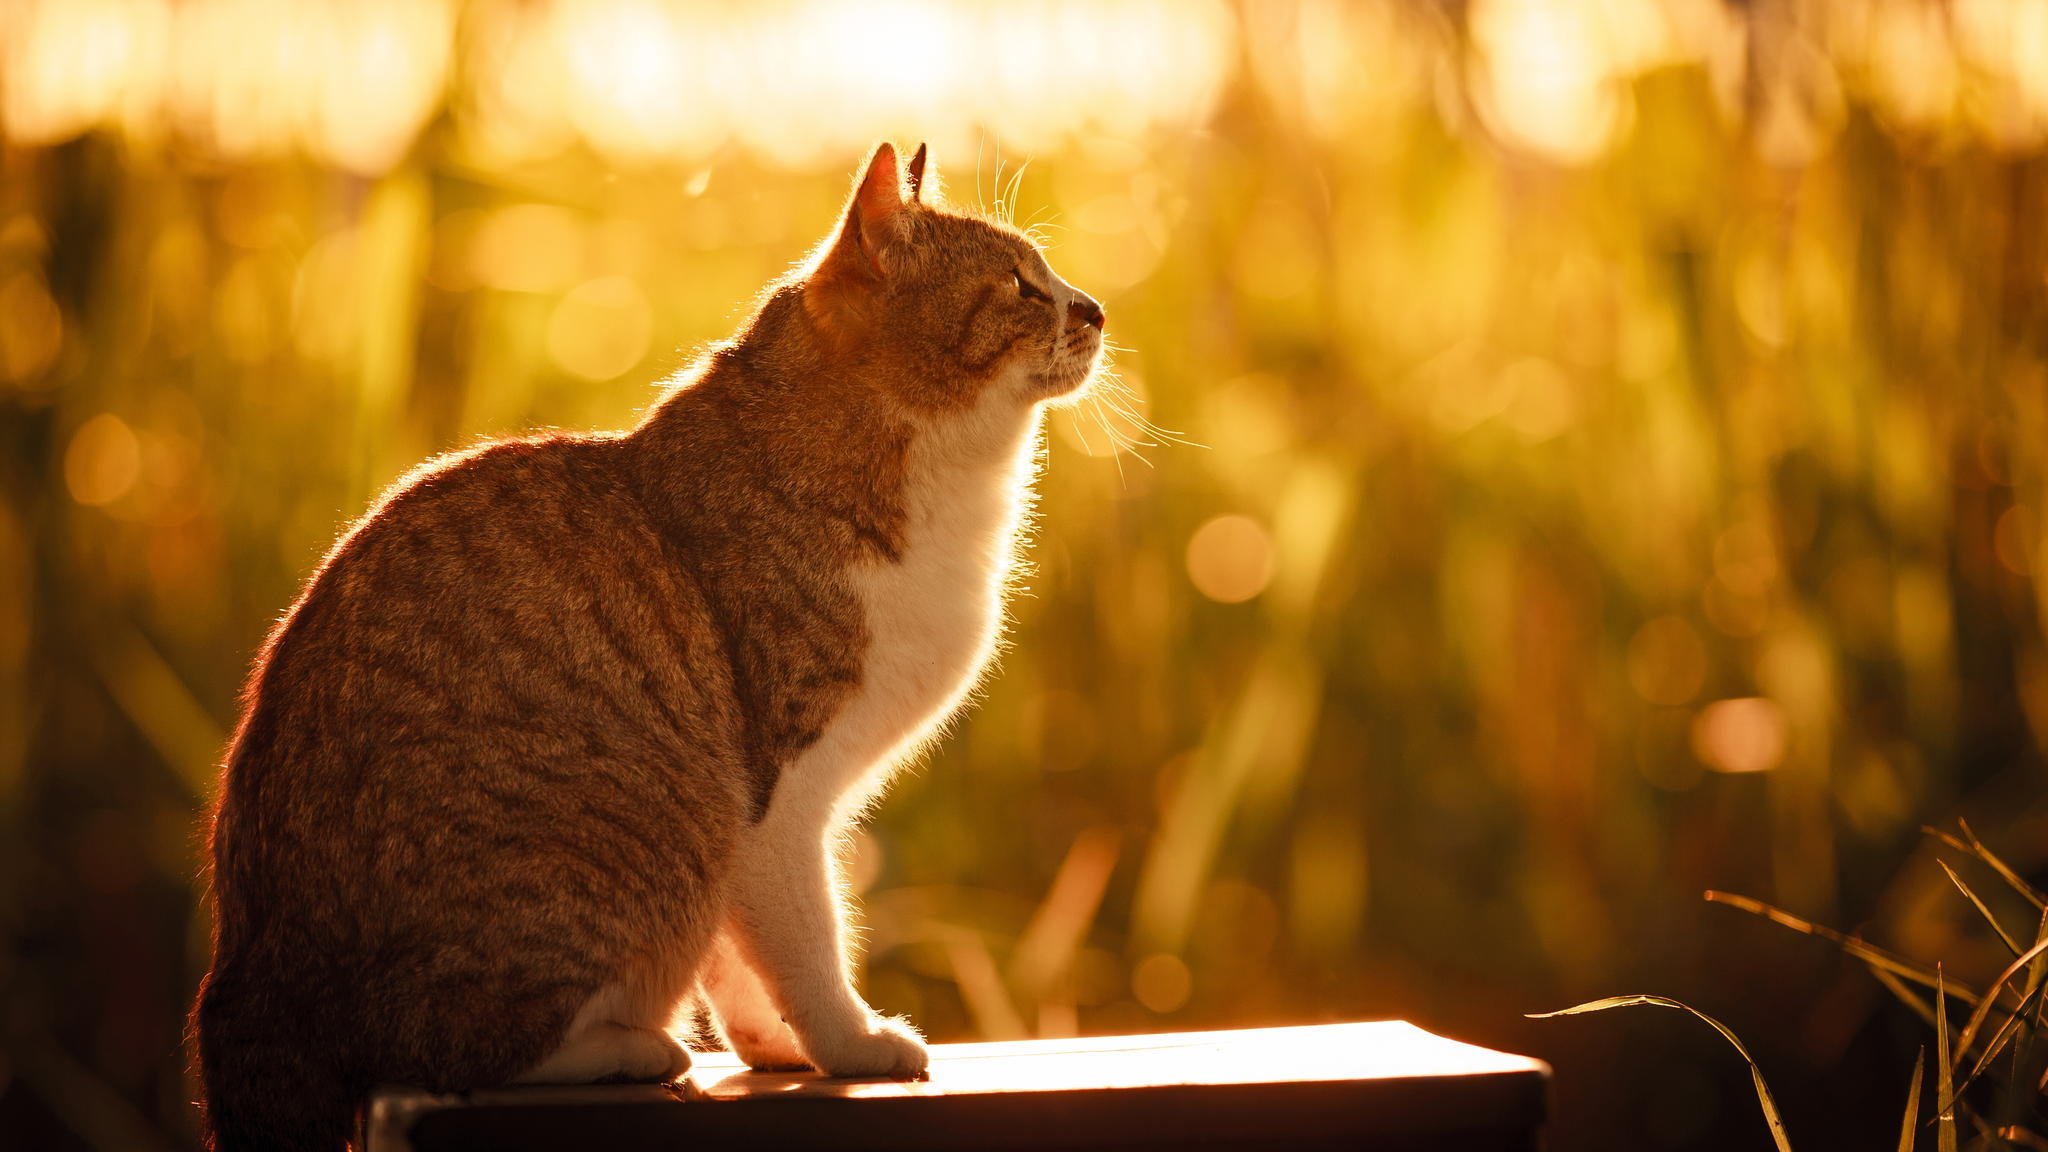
[935, 614]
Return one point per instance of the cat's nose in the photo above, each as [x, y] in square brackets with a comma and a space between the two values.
[1085, 311]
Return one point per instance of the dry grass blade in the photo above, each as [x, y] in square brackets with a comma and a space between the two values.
[2012, 945]
[1948, 838]
[1913, 1102]
[1976, 848]
[2038, 970]
[1985, 1005]
[1944, 1096]
[1920, 1005]
[1986, 1137]
[2037, 975]
[1855, 946]
[1763, 1094]
[2006, 1032]
[2020, 1137]
[1924, 1009]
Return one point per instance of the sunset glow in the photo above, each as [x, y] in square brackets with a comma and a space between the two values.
[644, 81]
[636, 80]
[1551, 457]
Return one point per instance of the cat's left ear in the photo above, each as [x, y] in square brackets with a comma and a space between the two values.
[917, 163]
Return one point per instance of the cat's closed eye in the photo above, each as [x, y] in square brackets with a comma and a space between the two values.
[1025, 288]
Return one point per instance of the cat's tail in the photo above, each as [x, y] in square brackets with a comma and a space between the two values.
[268, 1084]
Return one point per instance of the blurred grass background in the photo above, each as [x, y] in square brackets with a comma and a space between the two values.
[1624, 429]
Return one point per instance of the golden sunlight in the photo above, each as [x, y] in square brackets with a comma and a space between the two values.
[1548, 456]
[355, 83]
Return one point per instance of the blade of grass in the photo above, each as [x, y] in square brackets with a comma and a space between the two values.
[2038, 970]
[1944, 1084]
[1986, 1137]
[1924, 1009]
[1998, 1039]
[1948, 838]
[1763, 1093]
[1984, 1006]
[1919, 1004]
[2011, 944]
[1854, 945]
[2020, 1137]
[1999, 866]
[2037, 973]
[1913, 1102]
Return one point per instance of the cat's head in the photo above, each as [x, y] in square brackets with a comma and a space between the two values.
[955, 309]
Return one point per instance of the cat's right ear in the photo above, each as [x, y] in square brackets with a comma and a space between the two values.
[876, 224]
[867, 250]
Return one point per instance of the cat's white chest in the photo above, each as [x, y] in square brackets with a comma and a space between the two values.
[934, 613]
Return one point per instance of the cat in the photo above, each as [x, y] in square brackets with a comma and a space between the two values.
[564, 731]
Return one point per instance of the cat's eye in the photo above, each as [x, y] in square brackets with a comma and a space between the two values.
[1025, 288]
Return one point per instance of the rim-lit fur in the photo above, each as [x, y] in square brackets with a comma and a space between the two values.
[562, 731]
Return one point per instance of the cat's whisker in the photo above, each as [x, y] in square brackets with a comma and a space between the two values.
[1002, 211]
[1130, 431]
[1015, 190]
[1116, 450]
[980, 201]
[1112, 388]
[1037, 229]
[996, 181]
[1081, 434]
[1141, 432]
[1135, 449]
[1160, 434]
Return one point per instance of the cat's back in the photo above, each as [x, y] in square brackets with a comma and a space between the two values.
[503, 616]
[489, 765]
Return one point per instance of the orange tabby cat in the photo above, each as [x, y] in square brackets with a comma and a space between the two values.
[564, 730]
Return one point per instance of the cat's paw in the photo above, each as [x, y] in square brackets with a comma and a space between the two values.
[888, 1048]
[608, 1053]
[770, 1050]
[676, 1065]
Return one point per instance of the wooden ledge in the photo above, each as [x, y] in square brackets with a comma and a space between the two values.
[1386, 1085]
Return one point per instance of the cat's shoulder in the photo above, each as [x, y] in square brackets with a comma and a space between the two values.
[504, 476]
[497, 468]
[506, 489]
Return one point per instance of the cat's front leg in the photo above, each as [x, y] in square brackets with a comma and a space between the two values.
[747, 1017]
[786, 920]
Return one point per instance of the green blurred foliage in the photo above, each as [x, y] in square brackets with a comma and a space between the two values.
[1578, 514]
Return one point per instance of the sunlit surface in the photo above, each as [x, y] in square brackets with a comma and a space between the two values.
[1388, 1049]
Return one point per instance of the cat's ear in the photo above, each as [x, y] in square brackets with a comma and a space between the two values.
[870, 247]
[917, 173]
[876, 220]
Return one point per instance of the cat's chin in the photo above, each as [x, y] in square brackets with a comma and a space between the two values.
[1062, 383]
